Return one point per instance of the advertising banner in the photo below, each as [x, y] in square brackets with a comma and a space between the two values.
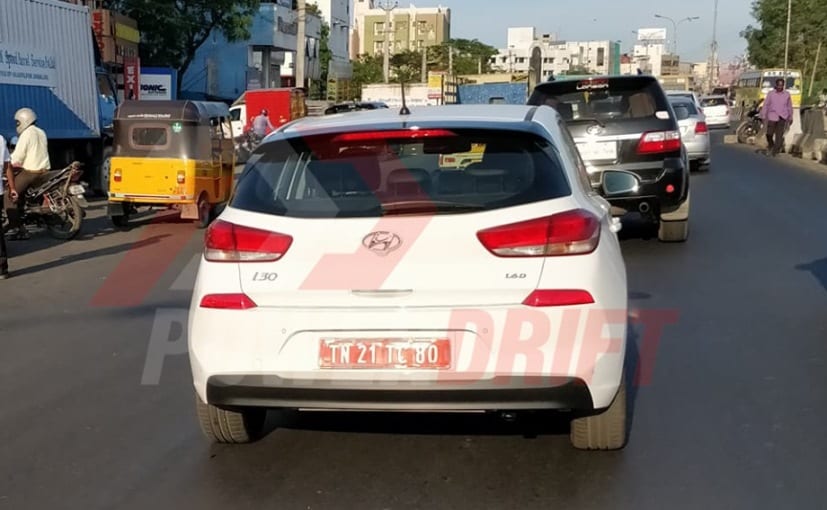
[27, 66]
[131, 78]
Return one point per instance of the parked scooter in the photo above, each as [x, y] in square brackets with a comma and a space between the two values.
[752, 125]
[55, 202]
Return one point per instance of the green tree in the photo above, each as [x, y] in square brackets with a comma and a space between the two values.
[367, 69]
[766, 39]
[469, 55]
[406, 67]
[325, 56]
[173, 30]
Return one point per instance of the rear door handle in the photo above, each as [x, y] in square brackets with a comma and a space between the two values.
[382, 293]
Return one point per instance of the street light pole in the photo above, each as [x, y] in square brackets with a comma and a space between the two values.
[787, 44]
[301, 44]
[714, 60]
[675, 27]
[388, 8]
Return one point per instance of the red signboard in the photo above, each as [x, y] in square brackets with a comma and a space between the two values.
[131, 78]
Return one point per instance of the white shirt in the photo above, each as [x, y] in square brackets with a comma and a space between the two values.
[4, 158]
[31, 151]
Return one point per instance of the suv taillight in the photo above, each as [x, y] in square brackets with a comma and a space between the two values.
[701, 127]
[655, 142]
[227, 242]
[574, 232]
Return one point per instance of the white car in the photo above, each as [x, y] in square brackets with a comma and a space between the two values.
[685, 94]
[716, 110]
[351, 272]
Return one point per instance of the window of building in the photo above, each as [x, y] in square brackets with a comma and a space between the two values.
[378, 28]
[601, 56]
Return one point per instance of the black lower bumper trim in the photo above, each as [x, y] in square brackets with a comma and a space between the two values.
[497, 394]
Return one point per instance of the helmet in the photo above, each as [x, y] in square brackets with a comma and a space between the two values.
[24, 118]
[264, 112]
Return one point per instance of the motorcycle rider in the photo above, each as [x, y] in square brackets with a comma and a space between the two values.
[5, 159]
[261, 124]
[30, 160]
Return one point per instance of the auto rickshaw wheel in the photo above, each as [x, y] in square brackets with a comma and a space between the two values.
[205, 211]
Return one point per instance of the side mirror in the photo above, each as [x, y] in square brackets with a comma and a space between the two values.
[617, 182]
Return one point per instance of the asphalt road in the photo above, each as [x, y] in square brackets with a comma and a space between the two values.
[732, 417]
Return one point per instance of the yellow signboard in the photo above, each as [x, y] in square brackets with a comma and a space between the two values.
[127, 33]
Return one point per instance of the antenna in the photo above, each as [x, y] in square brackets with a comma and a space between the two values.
[404, 110]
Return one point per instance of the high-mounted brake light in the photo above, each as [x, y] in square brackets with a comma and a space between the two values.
[655, 142]
[227, 242]
[574, 232]
[365, 136]
[701, 127]
[227, 302]
[558, 297]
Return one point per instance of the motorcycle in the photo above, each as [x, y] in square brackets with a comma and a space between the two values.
[55, 202]
[750, 127]
[245, 145]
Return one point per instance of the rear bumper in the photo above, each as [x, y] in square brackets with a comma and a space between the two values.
[496, 394]
[717, 122]
[656, 190]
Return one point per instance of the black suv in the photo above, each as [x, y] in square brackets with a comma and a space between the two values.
[627, 123]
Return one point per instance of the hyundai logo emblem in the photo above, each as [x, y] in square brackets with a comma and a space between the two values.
[382, 243]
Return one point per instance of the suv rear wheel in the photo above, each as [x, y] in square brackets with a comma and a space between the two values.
[605, 431]
[233, 427]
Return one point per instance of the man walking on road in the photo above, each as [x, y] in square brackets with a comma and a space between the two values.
[5, 161]
[777, 113]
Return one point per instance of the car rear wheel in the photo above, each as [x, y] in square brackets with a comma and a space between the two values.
[605, 431]
[230, 427]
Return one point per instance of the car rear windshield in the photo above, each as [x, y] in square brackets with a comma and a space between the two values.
[713, 101]
[602, 99]
[684, 109]
[373, 174]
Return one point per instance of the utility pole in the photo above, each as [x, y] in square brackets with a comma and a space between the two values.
[388, 8]
[424, 63]
[787, 44]
[714, 59]
[301, 43]
[450, 60]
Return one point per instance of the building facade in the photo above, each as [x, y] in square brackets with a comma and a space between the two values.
[546, 56]
[337, 15]
[410, 28]
[223, 71]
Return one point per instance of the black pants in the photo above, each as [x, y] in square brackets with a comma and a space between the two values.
[4, 254]
[775, 135]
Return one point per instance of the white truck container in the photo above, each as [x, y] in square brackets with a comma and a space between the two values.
[49, 63]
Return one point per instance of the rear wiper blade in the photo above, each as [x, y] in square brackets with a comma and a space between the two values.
[589, 119]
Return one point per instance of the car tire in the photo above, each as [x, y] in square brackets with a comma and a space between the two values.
[673, 231]
[605, 431]
[230, 427]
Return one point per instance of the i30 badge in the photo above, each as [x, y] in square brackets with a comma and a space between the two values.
[382, 243]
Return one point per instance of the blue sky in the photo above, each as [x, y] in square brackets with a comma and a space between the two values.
[488, 20]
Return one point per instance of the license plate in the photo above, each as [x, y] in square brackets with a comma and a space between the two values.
[591, 151]
[385, 353]
[76, 189]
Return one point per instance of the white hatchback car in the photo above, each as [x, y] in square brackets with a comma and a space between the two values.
[352, 271]
[716, 110]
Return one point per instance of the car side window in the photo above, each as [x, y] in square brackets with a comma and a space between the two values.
[573, 155]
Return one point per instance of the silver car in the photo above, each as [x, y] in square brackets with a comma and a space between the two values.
[694, 133]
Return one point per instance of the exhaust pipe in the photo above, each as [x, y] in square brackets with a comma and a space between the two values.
[643, 207]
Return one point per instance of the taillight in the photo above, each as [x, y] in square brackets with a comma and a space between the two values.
[227, 242]
[117, 175]
[701, 127]
[181, 177]
[574, 232]
[659, 141]
[558, 297]
[227, 302]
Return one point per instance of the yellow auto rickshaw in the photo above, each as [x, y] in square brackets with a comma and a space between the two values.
[171, 154]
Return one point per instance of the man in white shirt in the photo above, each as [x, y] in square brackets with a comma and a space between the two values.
[4, 255]
[31, 160]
